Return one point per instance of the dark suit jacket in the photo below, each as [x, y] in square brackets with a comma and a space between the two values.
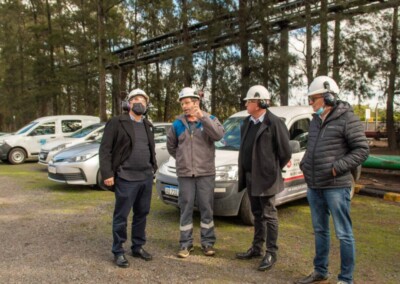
[271, 152]
[118, 142]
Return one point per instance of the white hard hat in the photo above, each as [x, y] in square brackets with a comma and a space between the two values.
[138, 92]
[188, 92]
[321, 85]
[257, 92]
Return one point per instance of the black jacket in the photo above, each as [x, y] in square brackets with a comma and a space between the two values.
[118, 142]
[271, 152]
[339, 142]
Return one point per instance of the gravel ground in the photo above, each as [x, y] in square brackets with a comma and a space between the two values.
[44, 240]
[42, 244]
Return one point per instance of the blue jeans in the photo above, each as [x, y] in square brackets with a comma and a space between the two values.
[323, 203]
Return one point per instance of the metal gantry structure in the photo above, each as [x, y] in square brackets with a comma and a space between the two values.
[289, 15]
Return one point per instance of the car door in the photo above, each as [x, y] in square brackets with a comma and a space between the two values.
[160, 139]
[39, 136]
[295, 186]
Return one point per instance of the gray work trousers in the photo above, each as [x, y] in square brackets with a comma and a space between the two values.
[200, 189]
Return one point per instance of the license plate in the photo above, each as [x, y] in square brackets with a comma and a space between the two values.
[172, 190]
[52, 169]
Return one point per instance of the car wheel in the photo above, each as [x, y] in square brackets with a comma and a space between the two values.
[17, 156]
[245, 211]
[100, 182]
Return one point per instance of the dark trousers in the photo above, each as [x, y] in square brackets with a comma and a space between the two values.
[135, 195]
[265, 220]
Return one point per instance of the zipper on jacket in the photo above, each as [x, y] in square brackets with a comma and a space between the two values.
[313, 153]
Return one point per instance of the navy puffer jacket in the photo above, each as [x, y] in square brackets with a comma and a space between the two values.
[339, 142]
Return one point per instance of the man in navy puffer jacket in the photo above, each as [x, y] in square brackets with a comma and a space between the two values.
[336, 145]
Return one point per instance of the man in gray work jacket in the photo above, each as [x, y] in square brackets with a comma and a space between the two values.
[191, 142]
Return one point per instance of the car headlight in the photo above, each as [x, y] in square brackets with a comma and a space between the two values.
[226, 173]
[81, 158]
[59, 147]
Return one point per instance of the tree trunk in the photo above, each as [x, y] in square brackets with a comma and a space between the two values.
[167, 116]
[52, 79]
[115, 91]
[101, 51]
[244, 51]
[187, 53]
[392, 143]
[336, 51]
[309, 65]
[214, 82]
[284, 70]
[323, 62]
[157, 91]
[265, 41]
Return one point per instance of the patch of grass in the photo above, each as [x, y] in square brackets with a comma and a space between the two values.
[376, 227]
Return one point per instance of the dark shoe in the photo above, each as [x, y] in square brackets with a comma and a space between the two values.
[208, 251]
[185, 252]
[314, 277]
[142, 254]
[249, 254]
[267, 262]
[121, 261]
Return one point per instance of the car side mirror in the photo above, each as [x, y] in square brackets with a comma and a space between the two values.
[295, 146]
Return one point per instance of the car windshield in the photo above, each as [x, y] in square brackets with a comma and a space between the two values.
[26, 127]
[84, 131]
[231, 139]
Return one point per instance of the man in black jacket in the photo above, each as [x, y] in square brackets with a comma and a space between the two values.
[336, 145]
[264, 151]
[128, 163]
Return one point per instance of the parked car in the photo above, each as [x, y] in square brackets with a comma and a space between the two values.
[227, 200]
[79, 164]
[25, 144]
[85, 134]
[3, 133]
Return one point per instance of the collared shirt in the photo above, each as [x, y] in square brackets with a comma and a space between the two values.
[133, 118]
[260, 119]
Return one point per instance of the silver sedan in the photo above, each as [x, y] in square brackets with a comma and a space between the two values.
[79, 164]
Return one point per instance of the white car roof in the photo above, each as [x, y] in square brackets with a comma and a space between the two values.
[72, 116]
[287, 112]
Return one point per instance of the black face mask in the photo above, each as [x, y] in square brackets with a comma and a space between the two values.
[138, 108]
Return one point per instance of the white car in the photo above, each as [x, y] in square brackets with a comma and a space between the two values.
[86, 134]
[79, 164]
[25, 144]
[228, 201]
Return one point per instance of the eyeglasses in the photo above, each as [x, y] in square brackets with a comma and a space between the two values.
[313, 99]
[252, 101]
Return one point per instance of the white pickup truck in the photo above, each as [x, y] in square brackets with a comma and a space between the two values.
[228, 201]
